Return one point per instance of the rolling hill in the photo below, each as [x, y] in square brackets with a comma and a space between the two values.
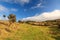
[24, 31]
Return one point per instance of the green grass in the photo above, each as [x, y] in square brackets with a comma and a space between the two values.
[25, 32]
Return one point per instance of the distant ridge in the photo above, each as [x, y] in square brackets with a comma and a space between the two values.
[44, 23]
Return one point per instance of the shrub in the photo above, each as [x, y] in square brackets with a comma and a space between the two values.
[12, 18]
[4, 16]
[19, 21]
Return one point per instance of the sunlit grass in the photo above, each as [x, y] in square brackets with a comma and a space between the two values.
[25, 32]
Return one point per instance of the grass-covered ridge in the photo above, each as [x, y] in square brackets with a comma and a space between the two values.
[19, 31]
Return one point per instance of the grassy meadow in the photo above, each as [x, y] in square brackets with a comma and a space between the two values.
[23, 31]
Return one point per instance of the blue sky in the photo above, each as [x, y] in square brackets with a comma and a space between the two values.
[25, 9]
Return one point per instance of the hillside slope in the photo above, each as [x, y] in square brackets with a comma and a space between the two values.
[24, 31]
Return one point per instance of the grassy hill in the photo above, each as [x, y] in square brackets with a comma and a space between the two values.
[23, 31]
[44, 23]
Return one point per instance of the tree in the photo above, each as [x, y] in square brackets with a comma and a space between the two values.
[12, 18]
[4, 16]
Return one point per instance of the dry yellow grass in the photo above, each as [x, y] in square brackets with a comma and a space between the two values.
[24, 31]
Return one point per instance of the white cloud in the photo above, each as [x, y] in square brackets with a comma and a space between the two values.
[22, 2]
[2, 18]
[6, 11]
[37, 6]
[3, 9]
[25, 9]
[44, 16]
[13, 9]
